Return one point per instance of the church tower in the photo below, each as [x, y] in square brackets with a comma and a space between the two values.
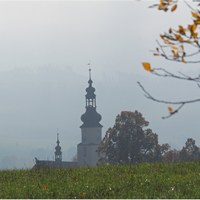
[58, 152]
[91, 130]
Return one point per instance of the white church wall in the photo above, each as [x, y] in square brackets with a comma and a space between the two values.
[92, 134]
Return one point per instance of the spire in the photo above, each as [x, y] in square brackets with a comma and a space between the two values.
[91, 118]
[58, 152]
[89, 71]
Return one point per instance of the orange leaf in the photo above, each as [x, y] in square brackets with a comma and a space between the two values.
[170, 30]
[173, 47]
[178, 37]
[181, 30]
[195, 35]
[156, 54]
[197, 21]
[174, 53]
[182, 47]
[147, 66]
[194, 26]
[196, 15]
[170, 109]
[196, 41]
[188, 41]
[183, 60]
[174, 7]
[161, 5]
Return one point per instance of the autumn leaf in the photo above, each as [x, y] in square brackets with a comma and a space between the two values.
[197, 21]
[156, 54]
[183, 60]
[188, 41]
[174, 53]
[181, 30]
[174, 7]
[194, 26]
[196, 41]
[170, 109]
[182, 47]
[165, 9]
[173, 47]
[161, 5]
[195, 35]
[196, 15]
[147, 66]
[178, 37]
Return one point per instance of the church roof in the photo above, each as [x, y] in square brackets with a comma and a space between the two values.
[40, 164]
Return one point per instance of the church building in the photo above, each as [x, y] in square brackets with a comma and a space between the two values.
[91, 130]
[91, 134]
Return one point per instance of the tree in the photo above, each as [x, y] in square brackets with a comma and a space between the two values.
[171, 156]
[190, 152]
[129, 142]
[175, 48]
[74, 159]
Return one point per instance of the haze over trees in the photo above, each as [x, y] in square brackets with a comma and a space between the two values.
[179, 44]
[130, 142]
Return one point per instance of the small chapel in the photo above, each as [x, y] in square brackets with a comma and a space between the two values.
[91, 134]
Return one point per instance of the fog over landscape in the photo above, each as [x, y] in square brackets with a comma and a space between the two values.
[45, 49]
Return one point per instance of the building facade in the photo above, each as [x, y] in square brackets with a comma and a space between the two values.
[91, 130]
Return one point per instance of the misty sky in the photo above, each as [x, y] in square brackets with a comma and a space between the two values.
[45, 48]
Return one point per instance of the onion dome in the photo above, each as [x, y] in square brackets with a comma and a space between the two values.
[90, 91]
[90, 118]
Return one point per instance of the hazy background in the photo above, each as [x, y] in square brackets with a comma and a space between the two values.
[44, 51]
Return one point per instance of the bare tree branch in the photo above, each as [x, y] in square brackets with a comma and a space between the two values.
[172, 113]
[148, 96]
[166, 102]
[169, 74]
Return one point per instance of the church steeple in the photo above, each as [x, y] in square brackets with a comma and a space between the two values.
[91, 129]
[90, 118]
[58, 152]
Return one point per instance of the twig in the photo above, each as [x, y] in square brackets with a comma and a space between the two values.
[166, 102]
[169, 74]
[148, 96]
[189, 6]
[172, 113]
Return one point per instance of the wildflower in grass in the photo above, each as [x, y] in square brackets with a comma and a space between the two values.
[173, 187]
[82, 193]
[46, 187]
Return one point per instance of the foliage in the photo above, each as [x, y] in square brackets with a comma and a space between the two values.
[141, 181]
[190, 152]
[128, 142]
[175, 47]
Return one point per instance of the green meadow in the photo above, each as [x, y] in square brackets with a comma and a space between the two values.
[146, 180]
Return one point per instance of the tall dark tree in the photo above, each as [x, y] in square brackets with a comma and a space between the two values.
[129, 142]
[190, 152]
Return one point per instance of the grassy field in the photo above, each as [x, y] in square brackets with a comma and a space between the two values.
[157, 180]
